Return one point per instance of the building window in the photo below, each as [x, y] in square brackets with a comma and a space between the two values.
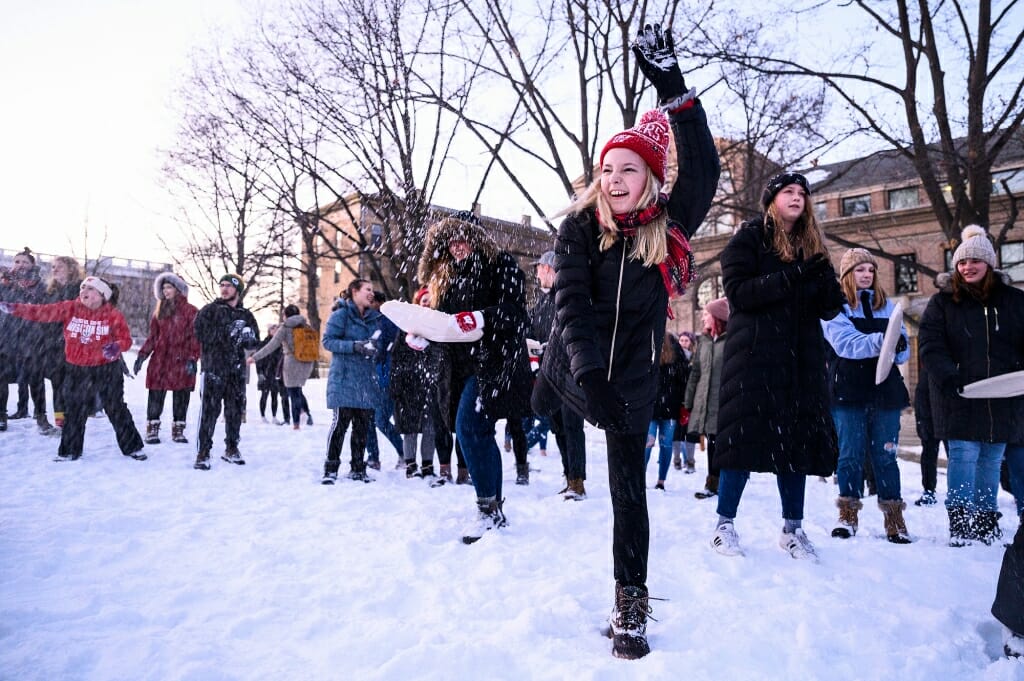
[376, 235]
[1014, 178]
[857, 205]
[906, 274]
[820, 211]
[903, 198]
[710, 289]
[337, 272]
[1011, 255]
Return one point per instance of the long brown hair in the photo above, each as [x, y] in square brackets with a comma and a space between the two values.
[669, 349]
[981, 291]
[805, 236]
[74, 272]
[850, 290]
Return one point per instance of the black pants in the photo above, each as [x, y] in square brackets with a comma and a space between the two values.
[567, 426]
[709, 444]
[80, 385]
[631, 527]
[929, 464]
[57, 373]
[179, 404]
[362, 421]
[214, 391]
[272, 393]
[1008, 606]
[516, 432]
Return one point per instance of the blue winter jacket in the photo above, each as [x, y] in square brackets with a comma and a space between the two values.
[352, 381]
[849, 343]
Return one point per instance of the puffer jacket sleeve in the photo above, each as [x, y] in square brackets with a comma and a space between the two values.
[508, 313]
[745, 285]
[848, 341]
[934, 348]
[573, 307]
[698, 169]
[333, 339]
[151, 340]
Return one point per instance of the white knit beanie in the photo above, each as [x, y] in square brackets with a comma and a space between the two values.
[975, 244]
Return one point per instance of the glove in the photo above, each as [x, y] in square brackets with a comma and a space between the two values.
[901, 344]
[806, 269]
[111, 351]
[137, 367]
[6, 308]
[190, 367]
[417, 343]
[604, 402]
[656, 57]
[952, 386]
[365, 348]
[469, 321]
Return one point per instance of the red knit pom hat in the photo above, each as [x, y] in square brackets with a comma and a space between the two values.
[649, 138]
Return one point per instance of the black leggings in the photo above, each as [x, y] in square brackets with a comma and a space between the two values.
[631, 526]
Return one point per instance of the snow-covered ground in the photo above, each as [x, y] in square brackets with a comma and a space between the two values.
[117, 569]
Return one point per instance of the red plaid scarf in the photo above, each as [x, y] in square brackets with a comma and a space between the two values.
[679, 268]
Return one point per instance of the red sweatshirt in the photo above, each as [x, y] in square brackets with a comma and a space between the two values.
[85, 331]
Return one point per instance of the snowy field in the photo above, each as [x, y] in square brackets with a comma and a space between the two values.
[117, 569]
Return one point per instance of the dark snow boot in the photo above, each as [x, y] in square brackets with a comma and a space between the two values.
[178, 432]
[462, 477]
[848, 509]
[444, 476]
[138, 455]
[986, 527]
[895, 526]
[202, 461]
[427, 470]
[152, 433]
[960, 521]
[627, 625]
[3, 421]
[412, 470]
[522, 474]
[489, 517]
[710, 488]
[44, 425]
[232, 455]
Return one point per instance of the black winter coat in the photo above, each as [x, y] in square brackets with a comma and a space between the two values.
[966, 341]
[417, 379]
[498, 360]
[773, 399]
[225, 333]
[923, 405]
[671, 388]
[596, 329]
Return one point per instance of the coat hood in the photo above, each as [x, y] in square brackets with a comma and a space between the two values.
[437, 264]
[294, 321]
[172, 279]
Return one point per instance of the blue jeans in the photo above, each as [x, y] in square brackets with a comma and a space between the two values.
[475, 430]
[382, 422]
[972, 474]
[791, 492]
[537, 432]
[668, 431]
[875, 432]
[1015, 462]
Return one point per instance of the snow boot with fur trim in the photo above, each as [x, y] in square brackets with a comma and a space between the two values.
[960, 522]
[848, 509]
[895, 525]
[152, 432]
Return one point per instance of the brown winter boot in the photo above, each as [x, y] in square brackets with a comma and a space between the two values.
[628, 622]
[178, 432]
[44, 425]
[444, 475]
[462, 478]
[710, 488]
[848, 509]
[575, 491]
[895, 526]
[232, 455]
[202, 461]
[152, 432]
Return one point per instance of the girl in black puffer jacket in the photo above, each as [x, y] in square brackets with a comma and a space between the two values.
[619, 254]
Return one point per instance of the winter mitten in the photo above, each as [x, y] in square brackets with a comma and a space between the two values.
[137, 367]
[604, 402]
[6, 308]
[365, 348]
[417, 343]
[901, 344]
[656, 57]
[111, 351]
[805, 269]
[952, 386]
[469, 322]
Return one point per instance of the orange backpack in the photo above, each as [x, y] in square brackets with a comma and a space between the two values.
[306, 344]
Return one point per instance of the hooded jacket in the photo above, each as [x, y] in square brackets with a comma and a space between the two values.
[970, 340]
[171, 343]
[352, 381]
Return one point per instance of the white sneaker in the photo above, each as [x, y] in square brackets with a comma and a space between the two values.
[798, 545]
[1013, 644]
[726, 541]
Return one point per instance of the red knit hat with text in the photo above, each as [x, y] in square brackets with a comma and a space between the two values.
[649, 138]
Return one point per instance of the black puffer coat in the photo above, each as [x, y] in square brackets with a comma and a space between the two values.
[773, 412]
[596, 328]
[967, 341]
[417, 379]
[225, 333]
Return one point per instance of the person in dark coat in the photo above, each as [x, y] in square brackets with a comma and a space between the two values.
[269, 383]
[384, 410]
[21, 340]
[620, 253]
[484, 289]
[1008, 606]
[173, 351]
[64, 284]
[972, 329]
[671, 388]
[773, 413]
[353, 338]
[225, 330]
[683, 445]
[926, 434]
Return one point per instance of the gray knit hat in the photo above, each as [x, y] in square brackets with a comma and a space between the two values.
[975, 245]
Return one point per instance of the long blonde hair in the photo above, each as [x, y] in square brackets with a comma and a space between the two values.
[73, 268]
[805, 236]
[650, 245]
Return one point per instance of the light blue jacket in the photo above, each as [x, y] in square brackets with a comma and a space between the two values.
[850, 343]
[352, 381]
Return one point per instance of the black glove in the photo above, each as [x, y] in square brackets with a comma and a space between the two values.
[365, 348]
[604, 402]
[656, 57]
[952, 386]
[901, 344]
[807, 269]
[137, 367]
[190, 367]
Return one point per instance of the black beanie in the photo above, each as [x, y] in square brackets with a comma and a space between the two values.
[776, 184]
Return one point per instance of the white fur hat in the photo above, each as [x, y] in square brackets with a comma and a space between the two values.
[172, 279]
[975, 245]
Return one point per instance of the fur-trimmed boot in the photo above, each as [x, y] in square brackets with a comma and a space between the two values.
[960, 522]
[848, 509]
[152, 432]
[986, 527]
[178, 432]
[895, 526]
[627, 625]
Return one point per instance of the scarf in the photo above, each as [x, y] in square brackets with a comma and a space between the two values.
[678, 268]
